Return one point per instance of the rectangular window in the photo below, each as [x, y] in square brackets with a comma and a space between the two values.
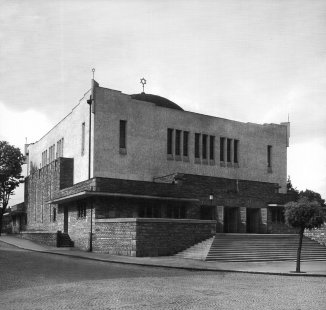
[177, 142]
[278, 215]
[235, 151]
[222, 141]
[52, 153]
[81, 208]
[228, 150]
[54, 217]
[169, 144]
[83, 140]
[185, 143]
[122, 140]
[44, 158]
[211, 147]
[197, 150]
[149, 211]
[204, 147]
[61, 151]
[60, 148]
[269, 156]
[178, 212]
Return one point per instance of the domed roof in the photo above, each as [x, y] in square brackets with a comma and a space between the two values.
[157, 100]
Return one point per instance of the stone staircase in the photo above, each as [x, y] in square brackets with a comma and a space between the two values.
[254, 248]
[260, 247]
[64, 240]
[198, 251]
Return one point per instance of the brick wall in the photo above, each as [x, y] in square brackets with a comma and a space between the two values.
[46, 238]
[317, 234]
[116, 236]
[167, 237]
[149, 237]
[79, 228]
[42, 186]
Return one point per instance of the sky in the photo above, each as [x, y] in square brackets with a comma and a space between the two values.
[259, 61]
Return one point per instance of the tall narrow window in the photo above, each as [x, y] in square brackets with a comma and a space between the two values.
[269, 156]
[197, 151]
[58, 148]
[177, 142]
[204, 147]
[228, 150]
[185, 143]
[211, 147]
[83, 139]
[81, 209]
[235, 151]
[170, 138]
[222, 141]
[122, 138]
[61, 151]
[54, 218]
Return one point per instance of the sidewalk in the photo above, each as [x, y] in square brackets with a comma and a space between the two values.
[311, 268]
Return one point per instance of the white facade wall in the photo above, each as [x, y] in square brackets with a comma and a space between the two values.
[146, 156]
[70, 129]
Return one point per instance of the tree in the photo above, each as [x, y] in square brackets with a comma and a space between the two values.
[11, 160]
[303, 214]
[312, 196]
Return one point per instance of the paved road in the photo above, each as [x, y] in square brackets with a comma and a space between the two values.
[30, 280]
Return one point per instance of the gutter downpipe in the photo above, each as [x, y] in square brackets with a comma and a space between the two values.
[90, 101]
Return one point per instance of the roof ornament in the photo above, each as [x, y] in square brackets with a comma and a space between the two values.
[93, 70]
[143, 82]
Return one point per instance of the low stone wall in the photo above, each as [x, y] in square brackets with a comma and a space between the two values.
[42, 237]
[318, 234]
[115, 236]
[149, 237]
[159, 237]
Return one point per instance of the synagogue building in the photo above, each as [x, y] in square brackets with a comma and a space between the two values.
[137, 175]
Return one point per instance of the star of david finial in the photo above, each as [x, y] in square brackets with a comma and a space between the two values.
[143, 82]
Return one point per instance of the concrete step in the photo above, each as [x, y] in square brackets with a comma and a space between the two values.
[198, 251]
[247, 247]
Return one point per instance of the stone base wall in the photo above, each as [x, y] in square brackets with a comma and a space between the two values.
[166, 237]
[318, 234]
[46, 238]
[149, 237]
[115, 236]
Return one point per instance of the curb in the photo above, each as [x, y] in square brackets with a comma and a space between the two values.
[291, 274]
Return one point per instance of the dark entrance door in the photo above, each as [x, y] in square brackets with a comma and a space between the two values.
[207, 212]
[231, 219]
[65, 219]
[253, 220]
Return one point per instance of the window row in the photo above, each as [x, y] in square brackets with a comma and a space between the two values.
[178, 142]
[52, 154]
[151, 211]
[204, 146]
[229, 149]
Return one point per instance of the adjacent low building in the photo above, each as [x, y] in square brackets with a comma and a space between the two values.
[137, 175]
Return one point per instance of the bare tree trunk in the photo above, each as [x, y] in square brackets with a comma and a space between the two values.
[299, 249]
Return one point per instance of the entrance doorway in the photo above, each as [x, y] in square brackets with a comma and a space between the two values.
[231, 220]
[207, 212]
[253, 220]
[65, 219]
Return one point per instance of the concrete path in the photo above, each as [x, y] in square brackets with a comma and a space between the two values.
[311, 268]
